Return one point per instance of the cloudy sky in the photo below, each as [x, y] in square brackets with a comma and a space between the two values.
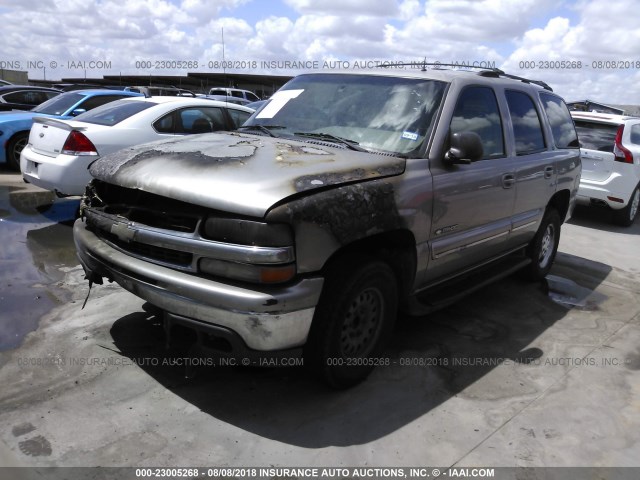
[598, 40]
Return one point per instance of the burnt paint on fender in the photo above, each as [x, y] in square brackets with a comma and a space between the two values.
[343, 215]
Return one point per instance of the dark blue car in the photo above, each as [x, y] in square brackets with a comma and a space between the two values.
[15, 125]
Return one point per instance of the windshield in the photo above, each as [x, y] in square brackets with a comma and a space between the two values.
[59, 105]
[115, 112]
[376, 113]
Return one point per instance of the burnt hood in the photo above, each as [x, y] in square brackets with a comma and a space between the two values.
[236, 172]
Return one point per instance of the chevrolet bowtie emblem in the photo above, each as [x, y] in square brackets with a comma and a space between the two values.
[123, 232]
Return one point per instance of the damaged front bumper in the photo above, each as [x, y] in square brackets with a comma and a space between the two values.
[265, 319]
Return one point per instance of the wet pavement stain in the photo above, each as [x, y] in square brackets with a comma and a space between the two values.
[571, 295]
[37, 242]
[36, 447]
[632, 360]
[22, 429]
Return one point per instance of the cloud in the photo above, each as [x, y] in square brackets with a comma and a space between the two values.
[381, 8]
[607, 71]
[206, 10]
[505, 32]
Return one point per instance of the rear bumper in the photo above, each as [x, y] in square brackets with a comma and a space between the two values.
[64, 174]
[616, 186]
[265, 319]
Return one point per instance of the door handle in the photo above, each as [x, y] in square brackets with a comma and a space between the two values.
[508, 180]
[548, 172]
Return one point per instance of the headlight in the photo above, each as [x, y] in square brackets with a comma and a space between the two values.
[250, 233]
[247, 232]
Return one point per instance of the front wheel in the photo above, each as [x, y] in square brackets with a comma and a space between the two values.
[14, 148]
[544, 246]
[353, 321]
[627, 215]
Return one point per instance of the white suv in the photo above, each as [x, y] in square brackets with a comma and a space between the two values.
[610, 150]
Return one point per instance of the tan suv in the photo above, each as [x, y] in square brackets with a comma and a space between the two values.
[347, 197]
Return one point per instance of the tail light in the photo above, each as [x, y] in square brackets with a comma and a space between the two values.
[621, 153]
[78, 144]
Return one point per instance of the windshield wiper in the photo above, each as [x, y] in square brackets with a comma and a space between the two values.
[352, 144]
[263, 128]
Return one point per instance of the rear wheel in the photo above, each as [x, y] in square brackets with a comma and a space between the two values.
[15, 146]
[544, 246]
[353, 321]
[628, 214]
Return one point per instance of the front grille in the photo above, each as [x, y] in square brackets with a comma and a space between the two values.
[166, 232]
[152, 252]
[178, 222]
[147, 208]
[151, 210]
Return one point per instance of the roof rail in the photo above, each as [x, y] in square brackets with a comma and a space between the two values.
[485, 71]
[425, 64]
[496, 72]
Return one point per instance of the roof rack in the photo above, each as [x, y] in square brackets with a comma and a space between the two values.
[425, 64]
[496, 72]
[485, 71]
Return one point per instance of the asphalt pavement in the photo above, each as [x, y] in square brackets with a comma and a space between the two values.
[517, 374]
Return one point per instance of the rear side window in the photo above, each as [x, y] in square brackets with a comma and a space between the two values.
[527, 128]
[191, 120]
[562, 129]
[596, 136]
[202, 120]
[238, 117]
[477, 111]
[635, 134]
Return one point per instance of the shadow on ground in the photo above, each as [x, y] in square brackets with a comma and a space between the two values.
[431, 360]
[600, 218]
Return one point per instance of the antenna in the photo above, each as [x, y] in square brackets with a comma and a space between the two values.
[224, 66]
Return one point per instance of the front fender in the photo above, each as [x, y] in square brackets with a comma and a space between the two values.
[328, 220]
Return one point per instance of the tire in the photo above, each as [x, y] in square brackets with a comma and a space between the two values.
[15, 146]
[544, 246]
[627, 215]
[353, 321]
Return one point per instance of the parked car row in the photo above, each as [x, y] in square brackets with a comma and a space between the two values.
[59, 152]
[15, 125]
[27, 102]
[22, 97]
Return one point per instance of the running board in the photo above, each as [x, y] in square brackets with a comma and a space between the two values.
[450, 292]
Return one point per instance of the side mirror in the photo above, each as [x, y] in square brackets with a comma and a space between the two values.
[77, 112]
[466, 147]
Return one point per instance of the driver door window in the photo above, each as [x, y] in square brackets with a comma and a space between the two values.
[477, 111]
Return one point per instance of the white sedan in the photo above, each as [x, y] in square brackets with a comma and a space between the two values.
[59, 152]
